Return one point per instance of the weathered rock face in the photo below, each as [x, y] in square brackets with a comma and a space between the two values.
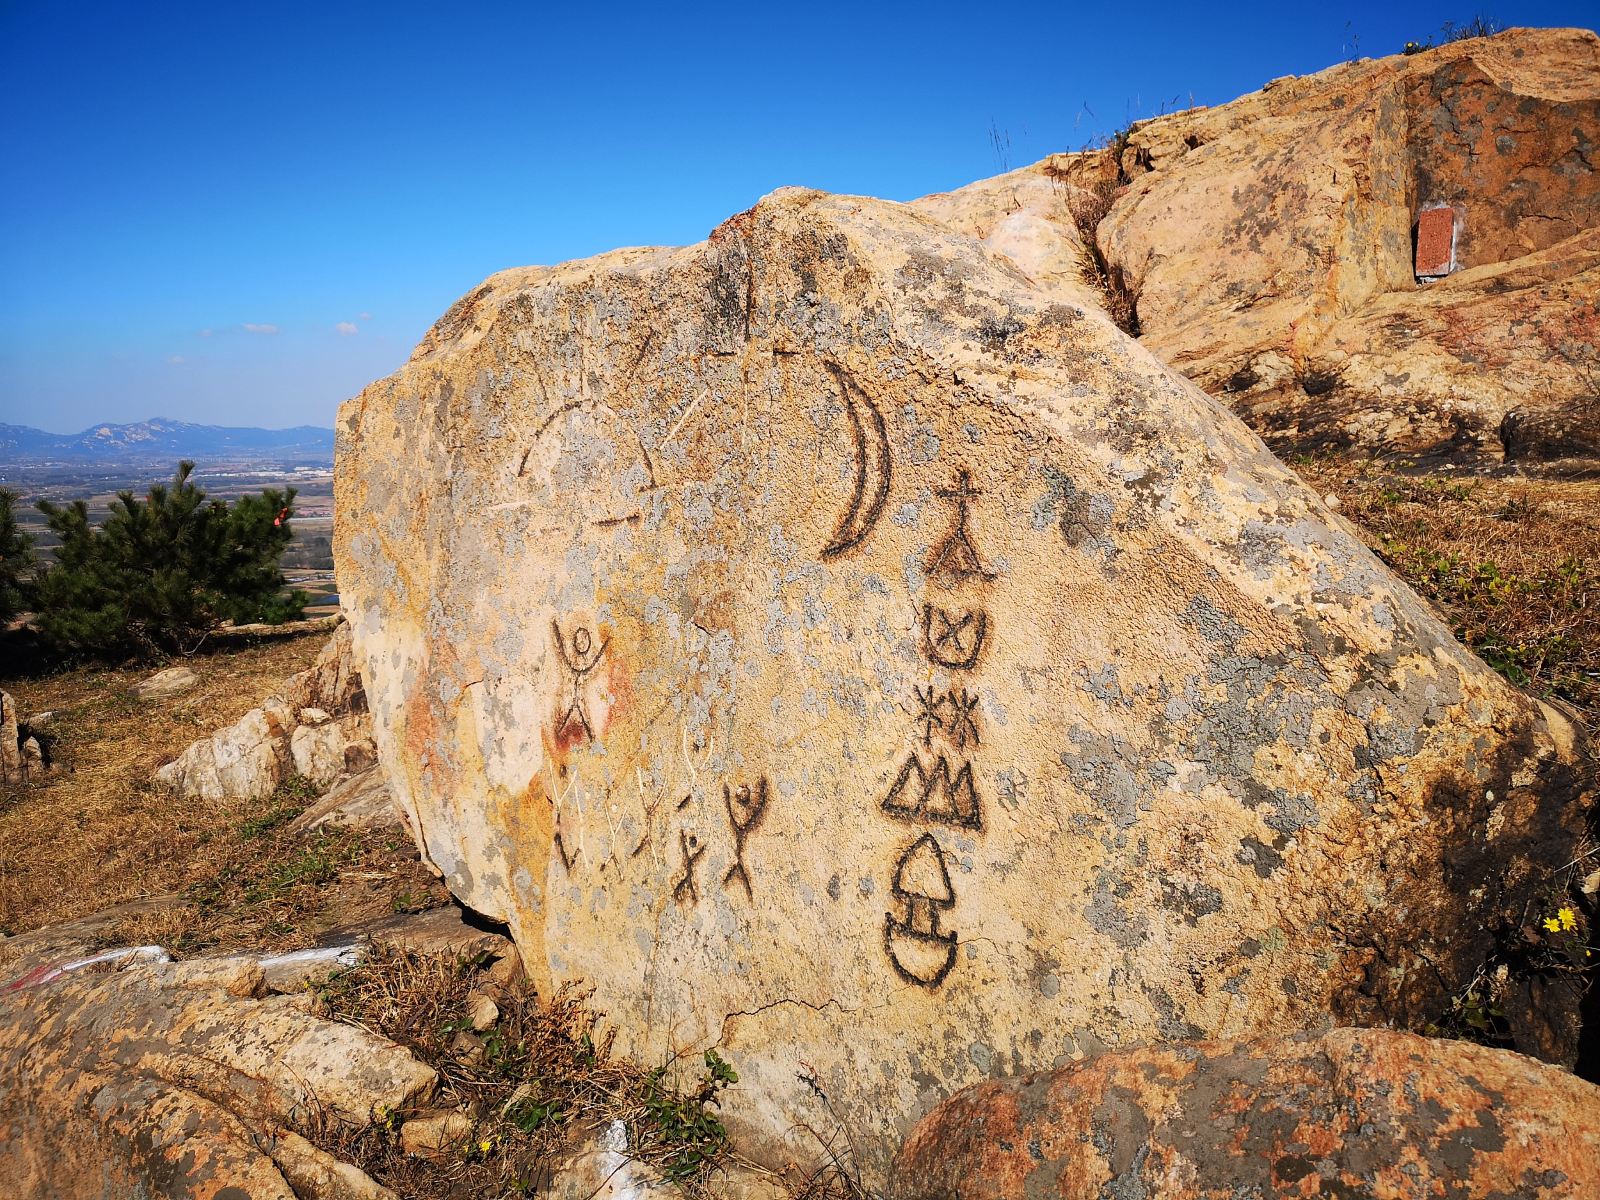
[316, 727]
[838, 648]
[22, 755]
[1269, 245]
[180, 1081]
[1363, 1113]
[164, 685]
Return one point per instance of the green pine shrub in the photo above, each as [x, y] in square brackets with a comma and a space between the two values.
[162, 572]
[16, 560]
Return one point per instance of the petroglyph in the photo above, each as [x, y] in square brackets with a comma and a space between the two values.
[580, 660]
[745, 810]
[874, 467]
[920, 951]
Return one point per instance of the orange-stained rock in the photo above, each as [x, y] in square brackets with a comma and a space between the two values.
[178, 1080]
[1361, 1114]
[1270, 242]
[837, 648]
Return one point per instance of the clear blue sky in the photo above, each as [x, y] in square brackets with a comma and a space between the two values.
[243, 213]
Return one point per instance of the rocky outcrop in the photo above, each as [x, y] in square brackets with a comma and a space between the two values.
[839, 647]
[183, 1080]
[315, 727]
[1265, 247]
[22, 749]
[360, 801]
[1363, 1113]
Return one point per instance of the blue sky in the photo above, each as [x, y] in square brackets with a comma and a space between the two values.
[242, 214]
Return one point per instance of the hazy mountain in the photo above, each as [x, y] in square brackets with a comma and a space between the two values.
[164, 441]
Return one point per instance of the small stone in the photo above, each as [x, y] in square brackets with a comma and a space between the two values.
[314, 716]
[361, 802]
[318, 751]
[597, 1165]
[434, 1135]
[437, 931]
[1333, 501]
[523, 1091]
[11, 765]
[507, 969]
[164, 685]
[250, 758]
[467, 1047]
[482, 1011]
[1591, 883]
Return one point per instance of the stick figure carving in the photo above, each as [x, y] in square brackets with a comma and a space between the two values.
[580, 659]
[745, 810]
[919, 950]
[687, 888]
[957, 558]
[928, 718]
[959, 728]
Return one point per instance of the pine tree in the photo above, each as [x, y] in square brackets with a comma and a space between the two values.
[161, 573]
[16, 560]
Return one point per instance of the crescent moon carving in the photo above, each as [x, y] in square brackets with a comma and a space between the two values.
[874, 468]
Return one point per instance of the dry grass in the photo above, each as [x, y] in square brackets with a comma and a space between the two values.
[1091, 193]
[1512, 564]
[97, 833]
[541, 1074]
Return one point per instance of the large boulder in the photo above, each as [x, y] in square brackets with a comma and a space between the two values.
[1369, 1114]
[841, 649]
[1266, 247]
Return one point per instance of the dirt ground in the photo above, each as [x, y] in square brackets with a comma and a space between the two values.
[1511, 563]
[97, 833]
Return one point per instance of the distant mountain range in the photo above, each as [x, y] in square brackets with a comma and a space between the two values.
[164, 441]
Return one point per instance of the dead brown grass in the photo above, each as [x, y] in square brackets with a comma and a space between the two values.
[1091, 192]
[1512, 564]
[542, 1073]
[97, 833]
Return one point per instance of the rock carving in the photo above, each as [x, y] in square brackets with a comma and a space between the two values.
[873, 469]
[582, 658]
[921, 952]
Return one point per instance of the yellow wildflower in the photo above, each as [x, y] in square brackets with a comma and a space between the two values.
[1565, 921]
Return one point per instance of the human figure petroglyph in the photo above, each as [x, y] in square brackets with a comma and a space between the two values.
[580, 662]
[959, 728]
[746, 808]
[687, 887]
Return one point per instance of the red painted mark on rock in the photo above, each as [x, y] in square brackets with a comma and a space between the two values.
[1436, 242]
